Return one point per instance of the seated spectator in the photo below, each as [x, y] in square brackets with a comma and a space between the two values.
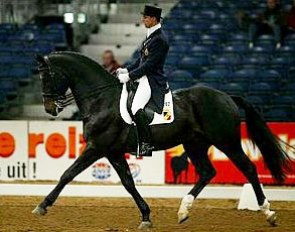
[291, 18]
[271, 21]
[109, 62]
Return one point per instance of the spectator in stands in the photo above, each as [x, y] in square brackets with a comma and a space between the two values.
[109, 62]
[291, 18]
[271, 21]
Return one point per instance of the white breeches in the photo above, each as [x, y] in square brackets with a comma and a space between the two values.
[142, 95]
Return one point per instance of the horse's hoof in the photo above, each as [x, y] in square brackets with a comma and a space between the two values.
[145, 225]
[185, 206]
[39, 211]
[272, 218]
[182, 217]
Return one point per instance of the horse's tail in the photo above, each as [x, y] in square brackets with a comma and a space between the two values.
[275, 157]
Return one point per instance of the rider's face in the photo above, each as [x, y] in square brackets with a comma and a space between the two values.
[149, 21]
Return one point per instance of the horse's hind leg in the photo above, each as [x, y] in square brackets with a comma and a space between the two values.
[198, 154]
[120, 164]
[84, 161]
[236, 154]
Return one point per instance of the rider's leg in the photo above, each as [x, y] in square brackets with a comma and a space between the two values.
[142, 95]
[141, 98]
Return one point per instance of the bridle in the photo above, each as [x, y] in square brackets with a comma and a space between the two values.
[63, 100]
[60, 101]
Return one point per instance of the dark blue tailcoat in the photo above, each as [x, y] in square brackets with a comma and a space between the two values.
[151, 63]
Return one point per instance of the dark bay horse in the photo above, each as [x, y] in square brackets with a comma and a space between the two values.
[203, 117]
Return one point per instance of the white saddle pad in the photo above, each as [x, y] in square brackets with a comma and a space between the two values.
[167, 115]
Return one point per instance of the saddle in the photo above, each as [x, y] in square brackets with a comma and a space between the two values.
[127, 95]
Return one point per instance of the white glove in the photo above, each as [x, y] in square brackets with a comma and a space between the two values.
[124, 78]
[121, 71]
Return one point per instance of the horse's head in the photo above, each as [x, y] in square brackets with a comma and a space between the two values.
[54, 85]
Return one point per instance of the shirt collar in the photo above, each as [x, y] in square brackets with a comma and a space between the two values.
[153, 29]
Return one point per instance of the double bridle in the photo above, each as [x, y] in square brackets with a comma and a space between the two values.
[61, 101]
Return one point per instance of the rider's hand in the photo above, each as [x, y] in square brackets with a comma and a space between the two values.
[121, 71]
[124, 78]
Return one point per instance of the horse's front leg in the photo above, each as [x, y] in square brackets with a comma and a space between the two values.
[88, 156]
[121, 166]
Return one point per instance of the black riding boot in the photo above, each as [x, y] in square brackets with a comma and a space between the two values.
[144, 133]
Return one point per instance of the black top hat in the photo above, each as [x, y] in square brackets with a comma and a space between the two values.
[152, 11]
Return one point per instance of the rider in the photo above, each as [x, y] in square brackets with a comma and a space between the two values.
[148, 72]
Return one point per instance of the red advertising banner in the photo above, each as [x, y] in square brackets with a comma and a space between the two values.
[180, 170]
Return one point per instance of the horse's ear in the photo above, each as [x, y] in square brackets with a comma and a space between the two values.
[39, 58]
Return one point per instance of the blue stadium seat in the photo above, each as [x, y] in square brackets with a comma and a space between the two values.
[209, 14]
[178, 49]
[180, 75]
[43, 47]
[283, 100]
[227, 61]
[216, 26]
[280, 64]
[248, 75]
[190, 27]
[201, 50]
[285, 51]
[202, 25]
[215, 75]
[266, 37]
[180, 79]
[9, 87]
[240, 49]
[195, 65]
[239, 38]
[233, 88]
[256, 100]
[254, 62]
[262, 50]
[180, 39]
[11, 59]
[276, 115]
[207, 38]
[30, 26]
[7, 26]
[26, 60]
[172, 25]
[4, 73]
[172, 60]
[272, 77]
[56, 26]
[266, 41]
[290, 40]
[213, 45]
[22, 74]
[262, 89]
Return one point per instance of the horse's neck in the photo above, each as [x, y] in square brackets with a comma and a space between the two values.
[107, 99]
